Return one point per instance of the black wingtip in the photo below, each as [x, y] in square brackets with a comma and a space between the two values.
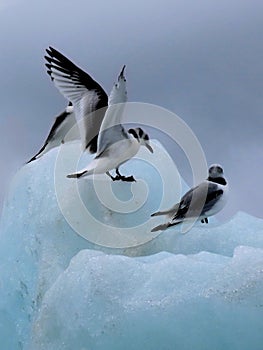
[122, 71]
[49, 71]
[49, 51]
[49, 59]
[31, 160]
[52, 52]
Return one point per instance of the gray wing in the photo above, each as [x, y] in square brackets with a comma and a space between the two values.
[59, 133]
[213, 196]
[110, 136]
[111, 130]
[198, 200]
[110, 133]
[88, 97]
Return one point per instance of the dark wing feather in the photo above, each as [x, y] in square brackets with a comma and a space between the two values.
[87, 96]
[198, 200]
[71, 74]
[59, 121]
[211, 200]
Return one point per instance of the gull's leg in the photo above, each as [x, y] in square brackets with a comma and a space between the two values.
[117, 172]
[124, 178]
[112, 177]
[205, 220]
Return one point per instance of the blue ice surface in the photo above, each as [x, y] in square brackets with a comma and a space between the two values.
[198, 290]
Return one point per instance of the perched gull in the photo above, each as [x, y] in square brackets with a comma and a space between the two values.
[59, 132]
[211, 194]
[100, 128]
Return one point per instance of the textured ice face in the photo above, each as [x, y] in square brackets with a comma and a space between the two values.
[165, 301]
[200, 290]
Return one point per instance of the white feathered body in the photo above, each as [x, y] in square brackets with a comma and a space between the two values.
[121, 152]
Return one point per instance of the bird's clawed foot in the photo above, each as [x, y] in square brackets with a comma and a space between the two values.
[123, 178]
[126, 178]
[120, 177]
[205, 220]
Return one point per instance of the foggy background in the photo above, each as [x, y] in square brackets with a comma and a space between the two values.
[203, 60]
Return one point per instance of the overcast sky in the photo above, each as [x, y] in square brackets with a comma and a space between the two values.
[201, 59]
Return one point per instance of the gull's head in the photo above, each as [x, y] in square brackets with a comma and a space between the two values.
[141, 137]
[215, 170]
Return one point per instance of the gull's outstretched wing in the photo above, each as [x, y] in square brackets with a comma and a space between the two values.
[88, 97]
[59, 132]
[111, 130]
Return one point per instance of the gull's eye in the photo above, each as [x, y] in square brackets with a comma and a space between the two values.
[211, 170]
[219, 170]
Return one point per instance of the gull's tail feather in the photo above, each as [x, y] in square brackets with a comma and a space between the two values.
[165, 212]
[160, 227]
[77, 175]
[170, 212]
[89, 170]
[163, 227]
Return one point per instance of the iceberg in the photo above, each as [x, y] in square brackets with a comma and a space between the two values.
[80, 269]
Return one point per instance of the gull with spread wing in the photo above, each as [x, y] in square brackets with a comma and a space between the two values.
[98, 116]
